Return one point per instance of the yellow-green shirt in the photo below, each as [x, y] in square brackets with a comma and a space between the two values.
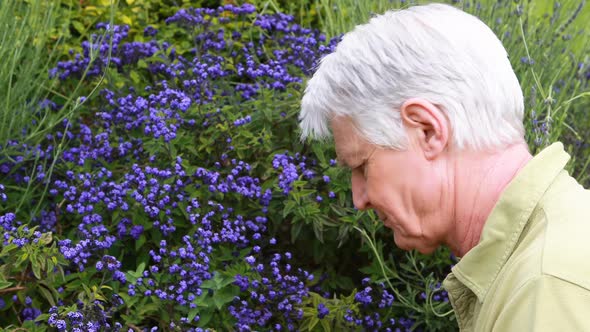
[530, 270]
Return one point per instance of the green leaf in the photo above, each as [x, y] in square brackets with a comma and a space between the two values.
[223, 296]
[79, 27]
[130, 301]
[226, 281]
[299, 183]
[203, 301]
[43, 263]
[5, 284]
[36, 266]
[140, 268]
[173, 152]
[205, 316]
[288, 208]
[40, 318]
[192, 313]
[140, 242]
[135, 77]
[306, 192]
[45, 238]
[8, 248]
[326, 325]
[318, 230]
[142, 64]
[47, 295]
[86, 290]
[23, 258]
[313, 322]
[131, 276]
[209, 284]
[319, 153]
[295, 230]
[148, 309]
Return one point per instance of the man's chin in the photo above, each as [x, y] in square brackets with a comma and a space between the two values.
[401, 242]
[404, 245]
[426, 251]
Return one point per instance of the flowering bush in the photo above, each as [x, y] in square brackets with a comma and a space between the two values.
[180, 198]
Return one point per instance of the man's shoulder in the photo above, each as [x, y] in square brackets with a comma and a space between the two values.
[566, 208]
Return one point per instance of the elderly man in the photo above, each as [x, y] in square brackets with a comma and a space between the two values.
[426, 111]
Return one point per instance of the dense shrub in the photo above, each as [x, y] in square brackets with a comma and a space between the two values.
[181, 198]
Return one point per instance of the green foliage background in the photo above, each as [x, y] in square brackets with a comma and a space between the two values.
[329, 238]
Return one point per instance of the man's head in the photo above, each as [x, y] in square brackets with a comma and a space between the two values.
[407, 96]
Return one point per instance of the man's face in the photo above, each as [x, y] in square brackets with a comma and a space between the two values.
[399, 185]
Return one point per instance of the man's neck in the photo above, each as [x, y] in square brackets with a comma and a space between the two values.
[480, 179]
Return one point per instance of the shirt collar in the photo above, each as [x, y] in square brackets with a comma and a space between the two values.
[481, 265]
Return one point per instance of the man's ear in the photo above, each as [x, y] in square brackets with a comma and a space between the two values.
[427, 125]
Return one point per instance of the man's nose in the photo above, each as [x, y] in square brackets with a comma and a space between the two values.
[359, 193]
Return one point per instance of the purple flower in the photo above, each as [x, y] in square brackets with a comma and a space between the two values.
[61, 325]
[136, 231]
[150, 31]
[364, 296]
[323, 311]
[527, 61]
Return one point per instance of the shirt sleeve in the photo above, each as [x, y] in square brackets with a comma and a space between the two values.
[546, 303]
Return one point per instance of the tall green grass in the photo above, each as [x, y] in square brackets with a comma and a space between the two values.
[26, 59]
[31, 43]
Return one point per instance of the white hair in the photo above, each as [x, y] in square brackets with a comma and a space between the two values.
[436, 52]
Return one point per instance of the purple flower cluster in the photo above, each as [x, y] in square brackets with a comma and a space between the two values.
[541, 129]
[29, 312]
[256, 69]
[323, 311]
[278, 289]
[371, 300]
[17, 233]
[243, 121]
[104, 50]
[438, 294]
[3, 196]
[92, 317]
[195, 17]
[237, 180]
[183, 269]
[292, 167]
